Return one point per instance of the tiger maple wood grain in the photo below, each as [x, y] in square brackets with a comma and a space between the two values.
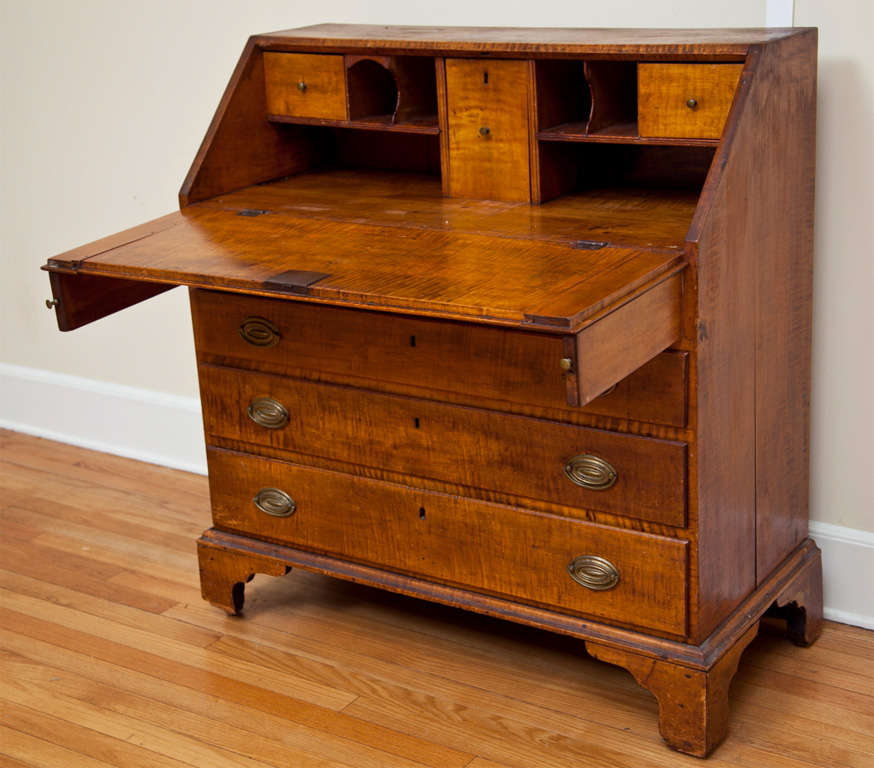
[323, 78]
[487, 115]
[486, 547]
[685, 100]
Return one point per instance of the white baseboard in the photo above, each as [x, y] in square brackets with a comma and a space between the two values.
[847, 573]
[126, 421]
[167, 430]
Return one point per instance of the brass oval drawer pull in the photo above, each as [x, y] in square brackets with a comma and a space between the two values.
[591, 472]
[274, 502]
[593, 572]
[267, 412]
[259, 332]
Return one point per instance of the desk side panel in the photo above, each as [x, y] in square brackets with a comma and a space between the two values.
[753, 335]
[784, 279]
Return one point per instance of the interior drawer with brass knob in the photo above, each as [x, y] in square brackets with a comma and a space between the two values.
[305, 85]
[685, 100]
[422, 356]
[487, 104]
[577, 567]
[481, 453]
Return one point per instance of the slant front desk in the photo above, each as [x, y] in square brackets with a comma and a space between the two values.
[513, 320]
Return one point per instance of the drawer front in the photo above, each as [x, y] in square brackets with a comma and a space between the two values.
[487, 106]
[371, 348]
[305, 85]
[493, 452]
[685, 100]
[479, 545]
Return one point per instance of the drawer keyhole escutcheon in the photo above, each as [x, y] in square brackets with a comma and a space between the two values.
[259, 332]
[272, 501]
[591, 472]
[267, 412]
[593, 572]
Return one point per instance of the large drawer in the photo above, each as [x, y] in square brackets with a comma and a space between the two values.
[478, 449]
[377, 349]
[482, 546]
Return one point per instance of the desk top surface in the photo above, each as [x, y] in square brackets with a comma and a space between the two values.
[392, 242]
[528, 41]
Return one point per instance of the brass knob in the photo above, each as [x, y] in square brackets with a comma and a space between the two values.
[484, 131]
[593, 572]
[692, 103]
[566, 363]
[52, 303]
[267, 412]
[591, 472]
[259, 332]
[301, 86]
[274, 502]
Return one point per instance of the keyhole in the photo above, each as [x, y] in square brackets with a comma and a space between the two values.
[412, 341]
[416, 422]
[485, 77]
[421, 513]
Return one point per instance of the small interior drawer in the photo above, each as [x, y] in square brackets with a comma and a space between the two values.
[305, 85]
[487, 106]
[481, 452]
[629, 577]
[685, 100]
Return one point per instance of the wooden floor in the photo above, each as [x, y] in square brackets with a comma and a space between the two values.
[109, 657]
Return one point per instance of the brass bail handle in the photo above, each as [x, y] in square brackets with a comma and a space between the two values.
[259, 332]
[593, 572]
[274, 502]
[268, 413]
[591, 472]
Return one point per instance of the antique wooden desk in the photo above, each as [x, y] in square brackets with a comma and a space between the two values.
[513, 320]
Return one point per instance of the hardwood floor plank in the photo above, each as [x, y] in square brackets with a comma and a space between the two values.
[103, 469]
[106, 609]
[53, 513]
[190, 656]
[83, 740]
[154, 585]
[40, 753]
[118, 560]
[337, 724]
[108, 723]
[71, 569]
[127, 691]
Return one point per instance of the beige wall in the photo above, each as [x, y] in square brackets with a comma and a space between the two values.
[105, 103]
[842, 482]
